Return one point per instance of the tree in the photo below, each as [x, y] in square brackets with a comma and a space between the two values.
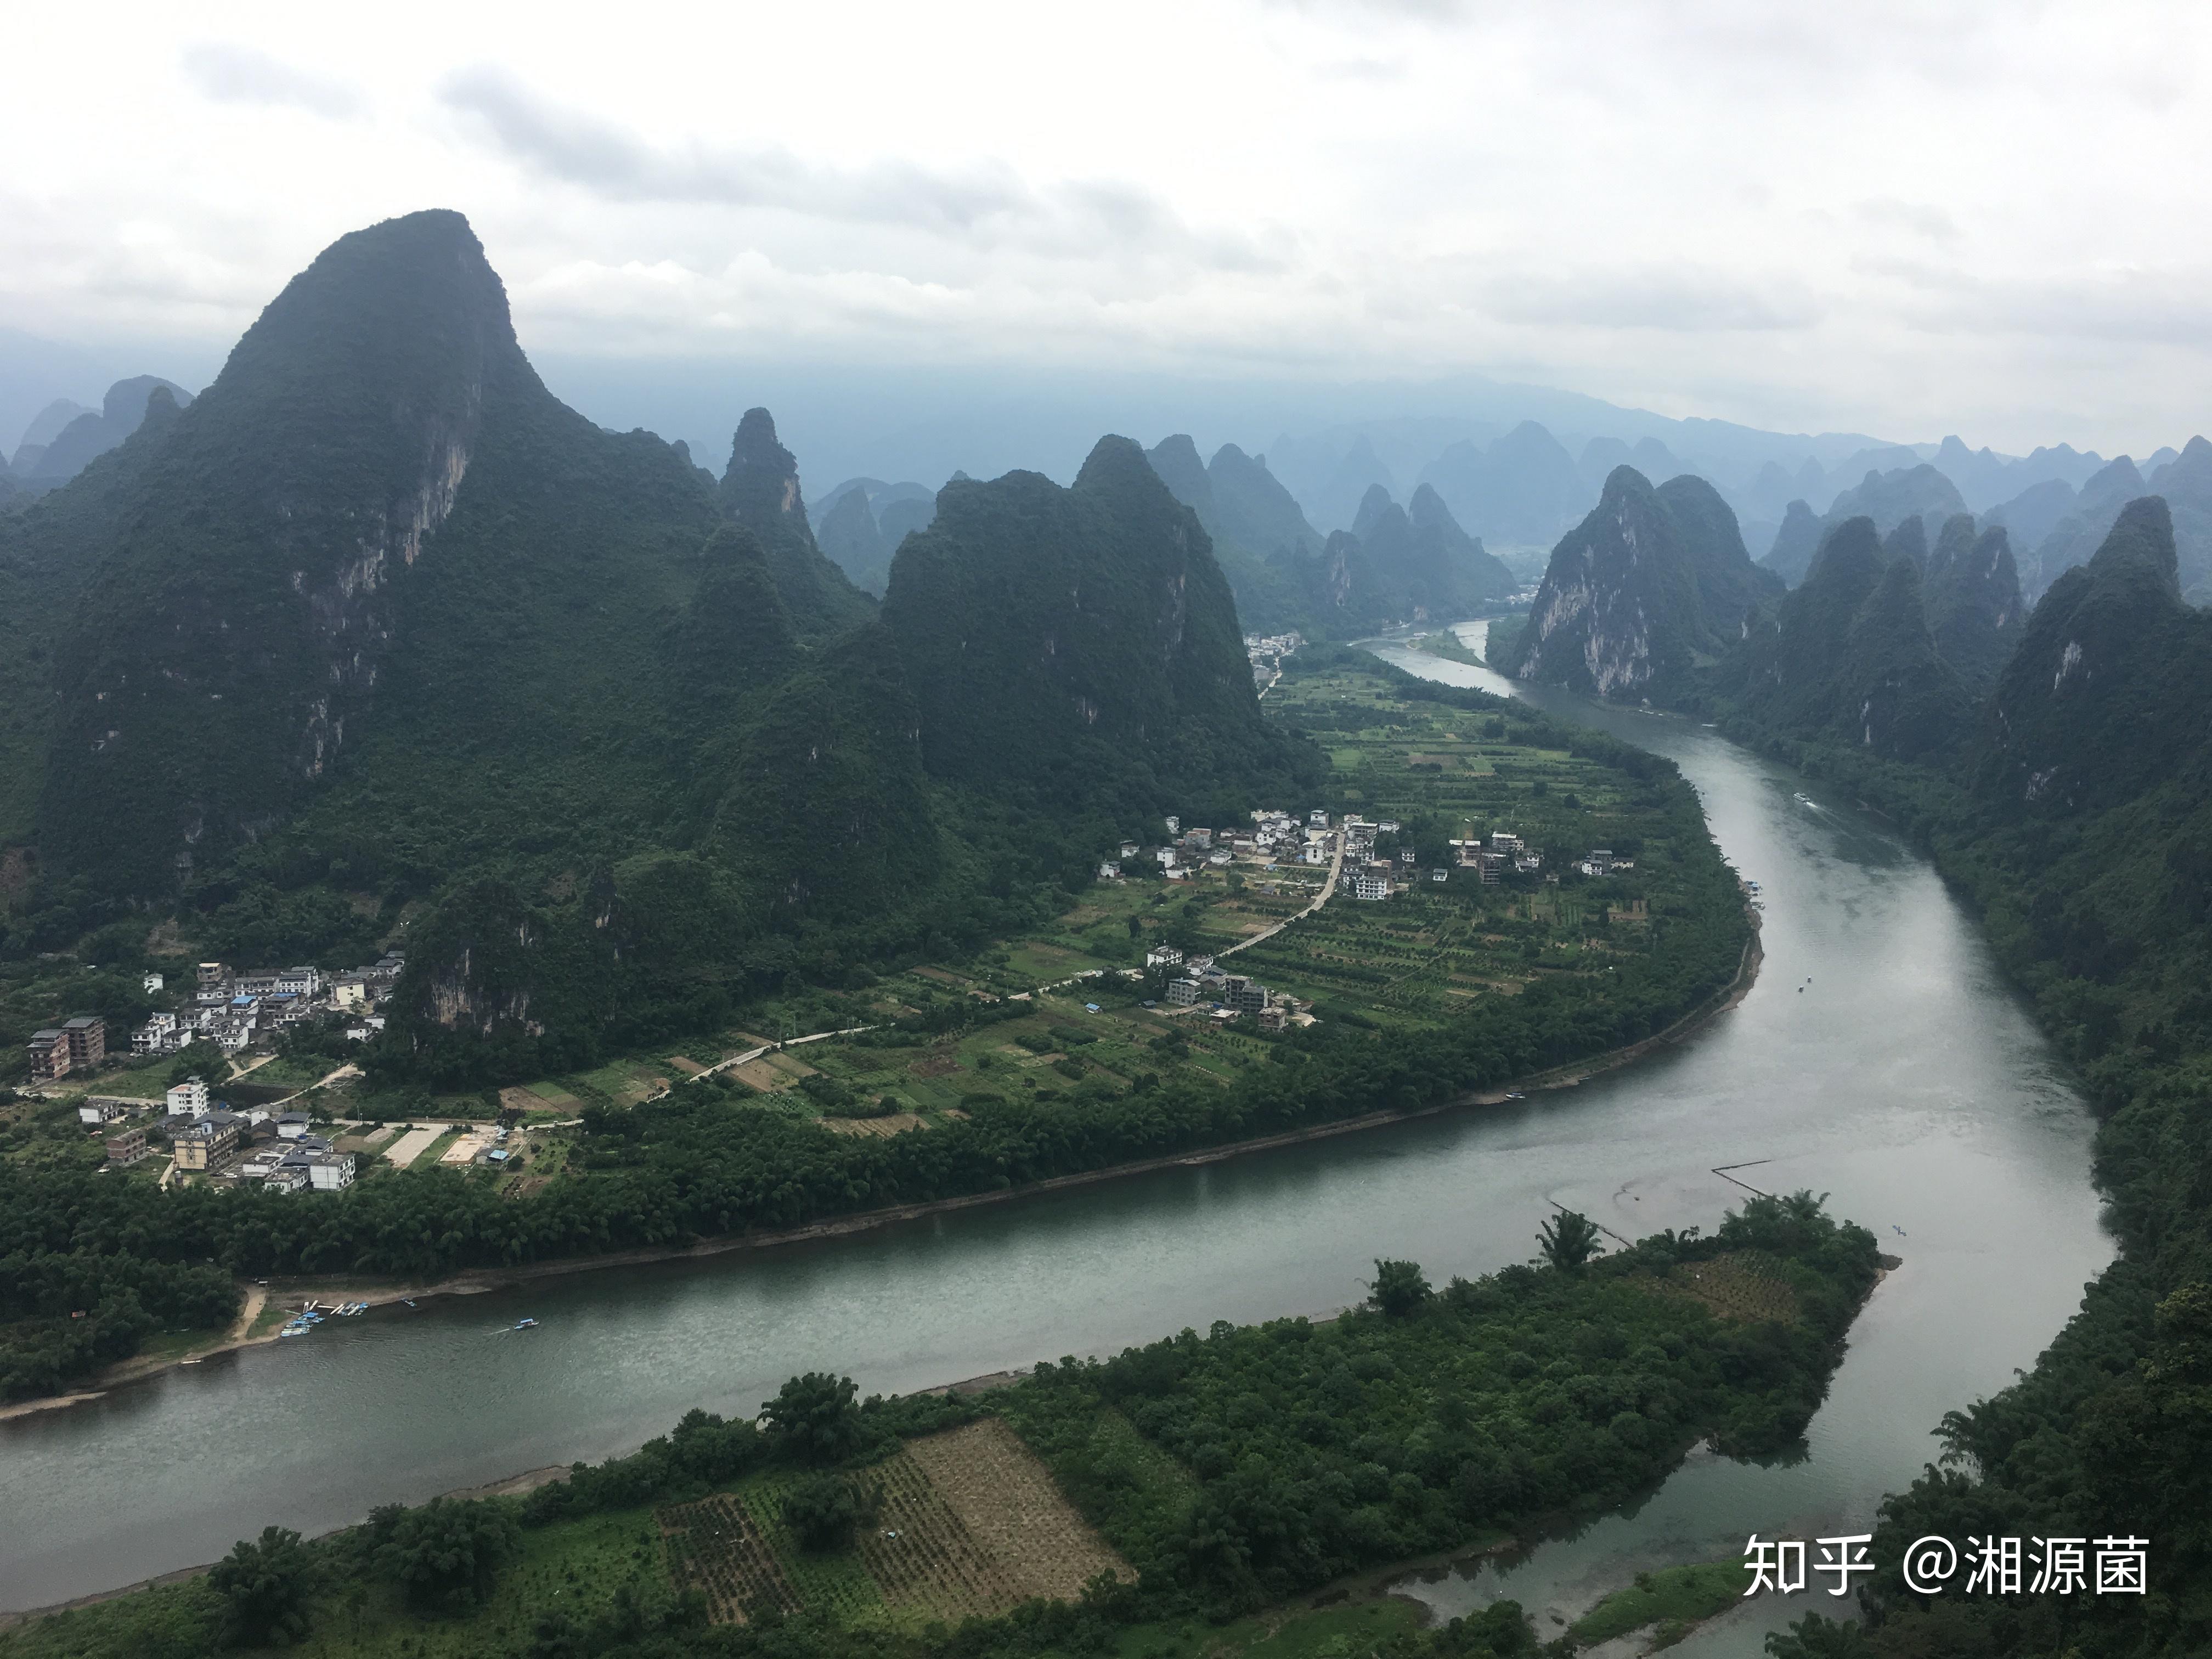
[447, 1554]
[1569, 1240]
[823, 1511]
[813, 1419]
[1399, 1287]
[264, 1590]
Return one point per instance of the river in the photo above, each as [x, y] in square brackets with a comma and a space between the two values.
[1878, 1059]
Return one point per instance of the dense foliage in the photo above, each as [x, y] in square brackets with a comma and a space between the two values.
[1234, 1469]
[1318, 1450]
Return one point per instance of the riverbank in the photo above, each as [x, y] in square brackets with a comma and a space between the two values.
[478, 1281]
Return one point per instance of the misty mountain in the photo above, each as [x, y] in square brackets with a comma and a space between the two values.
[1256, 512]
[2185, 485]
[902, 515]
[1648, 583]
[850, 539]
[1914, 490]
[1259, 533]
[2034, 513]
[1796, 540]
[88, 436]
[1337, 501]
[1523, 489]
[46, 426]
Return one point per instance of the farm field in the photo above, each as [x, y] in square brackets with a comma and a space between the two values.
[967, 1523]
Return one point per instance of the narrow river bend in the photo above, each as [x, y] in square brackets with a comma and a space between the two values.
[1902, 1079]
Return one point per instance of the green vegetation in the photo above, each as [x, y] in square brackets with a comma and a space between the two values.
[1232, 1471]
[970, 1080]
[609, 746]
[1671, 1598]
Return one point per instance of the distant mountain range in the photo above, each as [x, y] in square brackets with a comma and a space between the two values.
[1409, 563]
[65, 437]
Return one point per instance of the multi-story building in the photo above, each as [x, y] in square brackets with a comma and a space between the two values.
[49, 1056]
[87, 1034]
[208, 1142]
[127, 1145]
[188, 1098]
[330, 1172]
[1183, 992]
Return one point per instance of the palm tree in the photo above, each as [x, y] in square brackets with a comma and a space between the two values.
[1569, 1240]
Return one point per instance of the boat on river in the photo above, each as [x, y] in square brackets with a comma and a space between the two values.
[526, 1324]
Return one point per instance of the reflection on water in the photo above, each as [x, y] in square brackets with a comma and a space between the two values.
[1902, 1080]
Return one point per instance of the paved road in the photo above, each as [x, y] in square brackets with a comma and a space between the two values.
[1329, 887]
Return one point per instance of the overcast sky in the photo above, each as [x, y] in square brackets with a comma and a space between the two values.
[1902, 218]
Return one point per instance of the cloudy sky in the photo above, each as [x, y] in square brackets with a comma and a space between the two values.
[1901, 219]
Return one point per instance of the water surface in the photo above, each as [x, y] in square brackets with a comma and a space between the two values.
[1902, 1079]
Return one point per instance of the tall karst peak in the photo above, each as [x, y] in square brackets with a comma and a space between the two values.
[1082, 640]
[760, 485]
[2140, 547]
[1373, 506]
[760, 490]
[1647, 582]
[1176, 459]
[263, 563]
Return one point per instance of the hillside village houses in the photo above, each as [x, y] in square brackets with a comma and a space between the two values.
[234, 1010]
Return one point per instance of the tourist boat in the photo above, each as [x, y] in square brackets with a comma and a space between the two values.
[526, 1324]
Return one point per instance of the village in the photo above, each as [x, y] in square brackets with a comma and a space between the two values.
[234, 1011]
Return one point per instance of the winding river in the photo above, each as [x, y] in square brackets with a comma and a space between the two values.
[1878, 1059]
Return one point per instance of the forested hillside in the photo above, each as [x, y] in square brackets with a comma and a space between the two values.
[377, 642]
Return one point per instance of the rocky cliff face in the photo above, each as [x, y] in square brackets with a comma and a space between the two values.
[1646, 584]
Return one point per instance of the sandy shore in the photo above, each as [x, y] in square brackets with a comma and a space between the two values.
[475, 1281]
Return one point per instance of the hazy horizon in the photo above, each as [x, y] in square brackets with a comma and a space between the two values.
[1269, 199]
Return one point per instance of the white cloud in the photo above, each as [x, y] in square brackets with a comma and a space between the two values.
[233, 74]
[1899, 217]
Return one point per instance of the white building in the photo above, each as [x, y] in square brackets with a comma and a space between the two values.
[1367, 886]
[188, 1098]
[330, 1172]
[1163, 956]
